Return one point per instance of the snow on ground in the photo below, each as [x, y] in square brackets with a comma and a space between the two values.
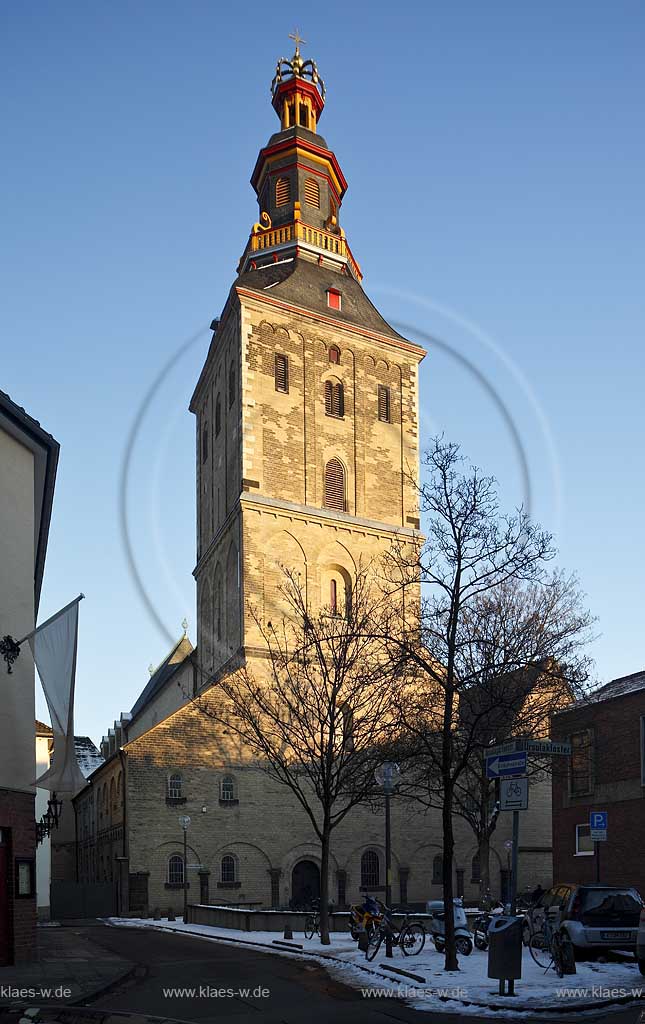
[468, 990]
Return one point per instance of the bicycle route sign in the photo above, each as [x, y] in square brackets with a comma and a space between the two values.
[514, 794]
[499, 766]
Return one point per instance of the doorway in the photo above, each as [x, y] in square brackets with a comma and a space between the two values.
[305, 884]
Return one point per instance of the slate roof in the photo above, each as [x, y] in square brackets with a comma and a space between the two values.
[621, 686]
[43, 730]
[88, 757]
[160, 677]
[303, 283]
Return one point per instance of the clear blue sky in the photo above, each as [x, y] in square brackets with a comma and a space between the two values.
[495, 159]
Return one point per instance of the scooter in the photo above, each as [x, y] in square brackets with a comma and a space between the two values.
[362, 918]
[481, 924]
[437, 926]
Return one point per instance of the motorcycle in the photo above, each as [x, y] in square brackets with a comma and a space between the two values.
[364, 917]
[437, 926]
[482, 924]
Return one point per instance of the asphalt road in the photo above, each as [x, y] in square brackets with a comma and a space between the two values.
[295, 991]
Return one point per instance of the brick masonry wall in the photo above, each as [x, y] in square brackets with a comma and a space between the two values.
[616, 788]
[17, 815]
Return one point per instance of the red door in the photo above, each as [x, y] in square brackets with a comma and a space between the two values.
[5, 924]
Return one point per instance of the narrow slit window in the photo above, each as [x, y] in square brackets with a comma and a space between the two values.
[383, 403]
[231, 385]
[334, 399]
[333, 597]
[312, 193]
[282, 192]
[205, 442]
[335, 485]
[218, 416]
[281, 371]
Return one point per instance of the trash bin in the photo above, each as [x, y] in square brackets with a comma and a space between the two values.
[505, 948]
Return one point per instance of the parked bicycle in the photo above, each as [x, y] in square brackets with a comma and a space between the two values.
[312, 921]
[551, 946]
[410, 936]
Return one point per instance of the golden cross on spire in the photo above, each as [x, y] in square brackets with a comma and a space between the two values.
[297, 38]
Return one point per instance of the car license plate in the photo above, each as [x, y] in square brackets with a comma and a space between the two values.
[614, 935]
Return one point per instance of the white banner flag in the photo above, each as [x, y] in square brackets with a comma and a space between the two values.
[53, 646]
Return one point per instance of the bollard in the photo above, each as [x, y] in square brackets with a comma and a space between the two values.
[156, 914]
[171, 914]
[288, 932]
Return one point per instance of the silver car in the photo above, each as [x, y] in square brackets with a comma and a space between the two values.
[595, 916]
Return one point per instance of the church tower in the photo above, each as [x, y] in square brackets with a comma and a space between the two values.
[307, 404]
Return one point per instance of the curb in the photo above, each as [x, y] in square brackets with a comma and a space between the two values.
[578, 1007]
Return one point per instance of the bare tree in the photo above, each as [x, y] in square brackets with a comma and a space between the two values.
[319, 720]
[461, 664]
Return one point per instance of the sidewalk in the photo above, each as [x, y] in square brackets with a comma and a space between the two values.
[69, 968]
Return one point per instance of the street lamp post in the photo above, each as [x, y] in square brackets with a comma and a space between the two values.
[184, 821]
[387, 775]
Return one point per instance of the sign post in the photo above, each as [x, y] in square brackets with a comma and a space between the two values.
[598, 830]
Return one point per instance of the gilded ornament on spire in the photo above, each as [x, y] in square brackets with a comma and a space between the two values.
[297, 68]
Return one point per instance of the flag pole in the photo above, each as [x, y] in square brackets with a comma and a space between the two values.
[61, 611]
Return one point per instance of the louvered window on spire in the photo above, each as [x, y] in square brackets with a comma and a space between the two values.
[334, 398]
[335, 485]
[282, 192]
[383, 403]
[312, 193]
[281, 372]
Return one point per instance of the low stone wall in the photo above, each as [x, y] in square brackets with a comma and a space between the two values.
[259, 920]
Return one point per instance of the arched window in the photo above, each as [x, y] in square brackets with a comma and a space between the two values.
[227, 868]
[334, 354]
[282, 191]
[231, 384]
[218, 416]
[174, 786]
[334, 398]
[475, 873]
[175, 870]
[312, 193]
[370, 870]
[437, 869]
[227, 789]
[335, 485]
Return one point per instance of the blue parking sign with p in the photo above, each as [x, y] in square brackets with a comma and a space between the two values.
[598, 820]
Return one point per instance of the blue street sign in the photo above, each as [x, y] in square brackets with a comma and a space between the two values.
[504, 765]
[598, 826]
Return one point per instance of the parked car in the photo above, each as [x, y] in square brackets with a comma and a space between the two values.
[595, 916]
[640, 943]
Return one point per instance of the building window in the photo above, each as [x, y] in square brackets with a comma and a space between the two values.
[334, 354]
[334, 398]
[174, 786]
[334, 298]
[175, 870]
[205, 441]
[383, 404]
[281, 373]
[333, 597]
[218, 416]
[580, 770]
[25, 877]
[227, 869]
[335, 485]
[227, 789]
[370, 878]
[437, 869]
[304, 116]
[312, 193]
[475, 869]
[231, 385]
[642, 750]
[584, 843]
[282, 192]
